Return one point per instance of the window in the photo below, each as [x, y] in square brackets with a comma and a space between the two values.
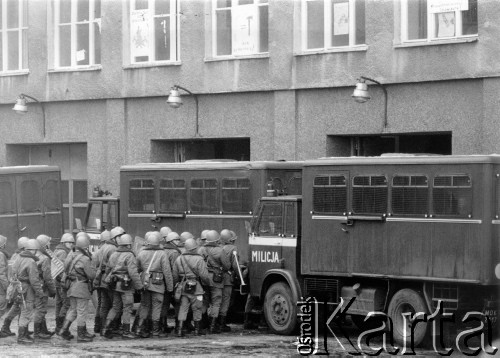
[240, 27]
[290, 221]
[153, 30]
[13, 39]
[141, 195]
[452, 195]
[77, 33]
[330, 194]
[236, 198]
[7, 203]
[30, 197]
[173, 195]
[369, 194]
[409, 194]
[332, 23]
[51, 195]
[271, 220]
[204, 196]
[426, 20]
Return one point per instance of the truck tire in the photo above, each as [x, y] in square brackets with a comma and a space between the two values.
[279, 309]
[407, 300]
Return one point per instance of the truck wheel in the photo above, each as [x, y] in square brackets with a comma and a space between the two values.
[279, 309]
[359, 322]
[407, 301]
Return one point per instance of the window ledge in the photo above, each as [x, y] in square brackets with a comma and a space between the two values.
[76, 69]
[151, 64]
[437, 42]
[332, 50]
[15, 73]
[232, 58]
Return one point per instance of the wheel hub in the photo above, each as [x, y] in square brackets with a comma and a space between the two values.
[280, 309]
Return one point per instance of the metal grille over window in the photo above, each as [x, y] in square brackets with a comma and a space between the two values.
[173, 195]
[330, 194]
[410, 194]
[51, 195]
[236, 196]
[141, 195]
[203, 198]
[369, 194]
[452, 195]
[6, 198]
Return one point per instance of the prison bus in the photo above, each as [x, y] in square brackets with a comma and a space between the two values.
[30, 203]
[398, 233]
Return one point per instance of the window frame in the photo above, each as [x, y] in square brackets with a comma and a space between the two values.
[431, 27]
[173, 189]
[242, 191]
[22, 36]
[234, 3]
[174, 32]
[410, 176]
[353, 202]
[204, 189]
[435, 187]
[73, 34]
[327, 28]
[153, 189]
[330, 186]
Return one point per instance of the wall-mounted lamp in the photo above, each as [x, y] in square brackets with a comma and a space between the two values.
[175, 101]
[22, 107]
[361, 94]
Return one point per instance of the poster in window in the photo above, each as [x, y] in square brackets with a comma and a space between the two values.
[341, 18]
[245, 29]
[446, 24]
[139, 32]
[438, 6]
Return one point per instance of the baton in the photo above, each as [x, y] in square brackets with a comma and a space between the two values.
[239, 270]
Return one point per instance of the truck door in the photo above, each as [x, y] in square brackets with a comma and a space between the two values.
[8, 211]
[29, 204]
[266, 242]
[51, 206]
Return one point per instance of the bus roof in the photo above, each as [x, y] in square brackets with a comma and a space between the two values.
[407, 159]
[213, 165]
[28, 169]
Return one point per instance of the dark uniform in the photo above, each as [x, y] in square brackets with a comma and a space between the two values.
[15, 309]
[49, 290]
[190, 266]
[62, 300]
[122, 267]
[228, 259]
[172, 253]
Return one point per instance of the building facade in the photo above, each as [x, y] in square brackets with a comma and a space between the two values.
[270, 80]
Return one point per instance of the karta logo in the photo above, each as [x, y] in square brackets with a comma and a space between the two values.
[309, 338]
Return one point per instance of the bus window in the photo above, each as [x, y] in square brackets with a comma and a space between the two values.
[294, 186]
[452, 195]
[271, 220]
[30, 196]
[203, 196]
[236, 198]
[51, 196]
[141, 195]
[173, 195]
[6, 198]
[369, 194]
[330, 194]
[409, 194]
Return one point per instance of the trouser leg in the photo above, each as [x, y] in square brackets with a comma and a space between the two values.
[215, 300]
[116, 307]
[127, 306]
[226, 300]
[40, 309]
[146, 304]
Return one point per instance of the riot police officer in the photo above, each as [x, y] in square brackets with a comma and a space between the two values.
[61, 251]
[228, 257]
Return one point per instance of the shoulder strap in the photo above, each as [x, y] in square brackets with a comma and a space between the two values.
[73, 263]
[151, 262]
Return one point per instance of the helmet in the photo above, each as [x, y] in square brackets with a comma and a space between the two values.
[185, 236]
[203, 235]
[172, 236]
[105, 235]
[32, 244]
[124, 239]
[154, 238]
[164, 231]
[3, 241]
[190, 245]
[83, 234]
[146, 235]
[233, 236]
[225, 236]
[44, 240]
[67, 238]
[117, 231]
[21, 243]
[82, 241]
[213, 236]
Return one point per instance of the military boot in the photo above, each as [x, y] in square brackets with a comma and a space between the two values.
[248, 322]
[22, 336]
[106, 330]
[127, 333]
[38, 332]
[6, 328]
[214, 325]
[82, 337]
[64, 332]
[97, 324]
[86, 333]
[45, 329]
[223, 326]
[179, 332]
[59, 323]
[103, 324]
[156, 329]
[198, 331]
